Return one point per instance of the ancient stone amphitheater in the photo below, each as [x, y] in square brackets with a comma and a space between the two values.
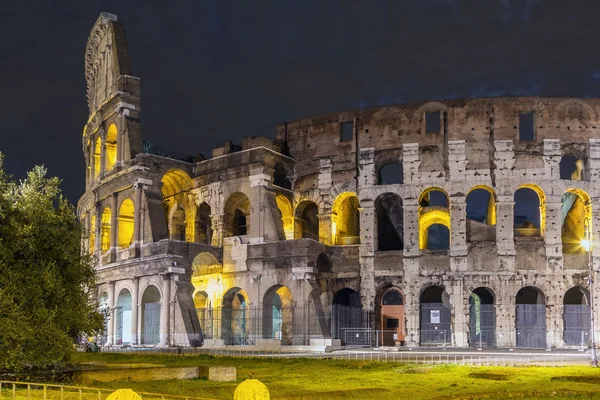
[457, 223]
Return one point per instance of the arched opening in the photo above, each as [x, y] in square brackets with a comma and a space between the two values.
[202, 305]
[390, 222]
[530, 211]
[176, 185]
[323, 263]
[235, 327]
[482, 318]
[576, 217]
[571, 168]
[434, 220]
[576, 317]
[435, 317]
[105, 311]
[286, 214]
[390, 315]
[391, 174]
[237, 214]
[278, 314]
[92, 231]
[177, 224]
[531, 318]
[280, 177]
[151, 315]
[125, 221]
[123, 318]
[111, 147]
[105, 230]
[481, 214]
[203, 224]
[97, 158]
[348, 318]
[345, 220]
[307, 221]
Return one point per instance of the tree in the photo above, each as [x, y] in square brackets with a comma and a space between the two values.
[46, 281]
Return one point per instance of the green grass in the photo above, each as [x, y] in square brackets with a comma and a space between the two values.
[334, 379]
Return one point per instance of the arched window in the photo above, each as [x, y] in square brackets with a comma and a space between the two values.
[203, 224]
[278, 314]
[576, 317]
[576, 220]
[111, 148]
[482, 318]
[390, 222]
[435, 316]
[151, 315]
[323, 263]
[125, 221]
[97, 158]
[180, 209]
[529, 211]
[234, 323]
[481, 214]
[307, 221]
[346, 220]
[177, 224]
[571, 168]
[280, 177]
[389, 174]
[237, 213]
[434, 220]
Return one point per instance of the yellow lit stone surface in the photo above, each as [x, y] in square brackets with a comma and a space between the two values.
[251, 389]
[124, 394]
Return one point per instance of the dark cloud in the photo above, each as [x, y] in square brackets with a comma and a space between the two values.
[218, 69]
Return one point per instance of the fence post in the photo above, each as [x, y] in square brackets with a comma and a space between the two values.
[99, 395]
[28, 391]
[61, 393]
[14, 392]
[44, 392]
[80, 394]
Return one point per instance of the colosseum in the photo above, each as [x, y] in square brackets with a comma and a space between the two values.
[443, 223]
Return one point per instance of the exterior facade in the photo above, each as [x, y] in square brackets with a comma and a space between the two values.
[459, 223]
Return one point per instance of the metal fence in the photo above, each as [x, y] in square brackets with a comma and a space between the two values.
[531, 325]
[435, 324]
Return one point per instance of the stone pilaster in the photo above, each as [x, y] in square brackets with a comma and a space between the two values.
[593, 173]
[411, 228]
[111, 314]
[457, 159]
[367, 254]
[258, 182]
[410, 162]
[135, 283]
[367, 167]
[165, 310]
[553, 235]
[552, 156]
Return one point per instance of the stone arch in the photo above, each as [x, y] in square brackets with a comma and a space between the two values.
[174, 182]
[287, 215]
[323, 264]
[278, 313]
[125, 223]
[576, 220]
[430, 106]
[530, 317]
[434, 219]
[237, 215]
[110, 147]
[481, 204]
[235, 326]
[482, 317]
[306, 220]
[177, 222]
[123, 321]
[529, 211]
[347, 313]
[391, 173]
[571, 167]
[280, 176]
[105, 228]
[390, 317]
[203, 229]
[176, 186]
[345, 219]
[390, 222]
[585, 112]
[435, 316]
[576, 317]
[151, 310]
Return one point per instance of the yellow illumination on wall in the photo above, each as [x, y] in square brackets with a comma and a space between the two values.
[126, 217]
[92, 233]
[176, 185]
[111, 147]
[287, 216]
[542, 198]
[105, 230]
[97, 158]
[429, 218]
[345, 219]
[573, 229]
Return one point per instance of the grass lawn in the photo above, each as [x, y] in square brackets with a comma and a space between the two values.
[334, 379]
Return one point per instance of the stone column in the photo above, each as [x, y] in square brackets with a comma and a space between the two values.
[114, 212]
[410, 162]
[459, 325]
[367, 167]
[102, 157]
[217, 224]
[91, 165]
[505, 226]
[137, 216]
[411, 228]
[324, 185]
[367, 254]
[258, 180]
[553, 236]
[165, 310]
[111, 314]
[135, 310]
[98, 228]
[458, 223]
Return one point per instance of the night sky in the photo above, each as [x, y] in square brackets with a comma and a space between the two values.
[216, 70]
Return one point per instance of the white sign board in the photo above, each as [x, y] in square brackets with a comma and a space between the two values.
[434, 316]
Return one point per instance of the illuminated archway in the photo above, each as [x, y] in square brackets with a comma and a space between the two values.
[110, 157]
[125, 221]
[176, 185]
[287, 216]
[576, 219]
[530, 314]
[278, 314]
[97, 158]
[434, 197]
[105, 230]
[123, 318]
[428, 222]
[151, 315]
[390, 222]
[345, 219]
[576, 317]
[237, 215]
[234, 324]
[92, 231]
[307, 221]
[529, 211]
[202, 305]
